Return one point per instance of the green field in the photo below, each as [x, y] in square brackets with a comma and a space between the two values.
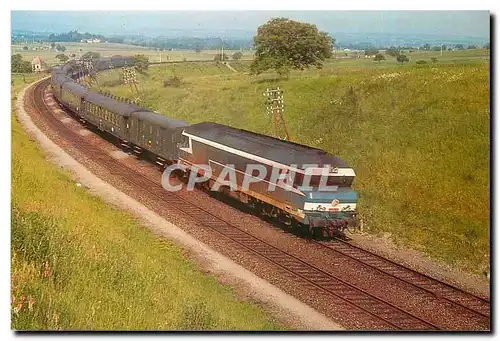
[79, 264]
[110, 49]
[418, 137]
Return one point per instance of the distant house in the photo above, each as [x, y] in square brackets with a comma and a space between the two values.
[38, 65]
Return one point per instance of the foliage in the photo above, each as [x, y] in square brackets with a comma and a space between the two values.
[421, 62]
[62, 57]
[18, 65]
[197, 50]
[459, 46]
[392, 51]
[371, 52]
[283, 44]
[25, 48]
[60, 48]
[218, 57]
[379, 57]
[471, 47]
[73, 36]
[237, 55]
[402, 59]
[52, 45]
[173, 81]
[141, 62]
[426, 47]
[91, 55]
[434, 59]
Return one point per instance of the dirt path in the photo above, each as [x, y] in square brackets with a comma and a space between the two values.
[290, 311]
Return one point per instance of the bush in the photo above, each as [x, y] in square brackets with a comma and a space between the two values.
[421, 62]
[174, 82]
[434, 59]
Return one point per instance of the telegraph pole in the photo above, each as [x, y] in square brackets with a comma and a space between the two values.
[276, 108]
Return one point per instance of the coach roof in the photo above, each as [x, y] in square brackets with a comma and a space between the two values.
[159, 120]
[75, 88]
[267, 147]
[124, 109]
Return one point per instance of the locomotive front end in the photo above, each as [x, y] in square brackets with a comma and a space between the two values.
[331, 211]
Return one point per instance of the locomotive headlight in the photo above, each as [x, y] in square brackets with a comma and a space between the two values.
[335, 202]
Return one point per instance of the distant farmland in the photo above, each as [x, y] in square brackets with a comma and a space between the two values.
[109, 49]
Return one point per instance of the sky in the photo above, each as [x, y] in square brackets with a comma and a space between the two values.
[440, 23]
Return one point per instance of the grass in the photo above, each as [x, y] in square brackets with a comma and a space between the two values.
[79, 264]
[418, 137]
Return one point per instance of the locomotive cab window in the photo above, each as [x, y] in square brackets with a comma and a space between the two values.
[184, 142]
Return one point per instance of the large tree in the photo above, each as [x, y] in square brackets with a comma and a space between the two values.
[18, 65]
[283, 44]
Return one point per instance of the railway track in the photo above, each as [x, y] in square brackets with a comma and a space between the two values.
[347, 296]
[440, 289]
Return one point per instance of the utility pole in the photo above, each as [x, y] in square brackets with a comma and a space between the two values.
[276, 108]
[222, 50]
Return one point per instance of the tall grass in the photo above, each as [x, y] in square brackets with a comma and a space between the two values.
[417, 137]
[79, 264]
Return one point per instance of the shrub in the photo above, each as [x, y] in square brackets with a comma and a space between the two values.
[173, 81]
[434, 59]
[421, 62]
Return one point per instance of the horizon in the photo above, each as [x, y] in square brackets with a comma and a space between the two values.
[419, 24]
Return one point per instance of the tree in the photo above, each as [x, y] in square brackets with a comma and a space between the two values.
[487, 46]
[426, 47]
[60, 48]
[91, 55]
[379, 57]
[459, 47]
[141, 62]
[392, 51]
[198, 50]
[402, 59]
[218, 57]
[25, 48]
[237, 55]
[443, 47]
[471, 47]
[17, 64]
[371, 52]
[283, 44]
[434, 59]
[52, 45]
[62, 57]
[436, 48]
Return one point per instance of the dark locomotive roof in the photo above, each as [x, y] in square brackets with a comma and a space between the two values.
[264, 146]
[160, 120]
[124, 109]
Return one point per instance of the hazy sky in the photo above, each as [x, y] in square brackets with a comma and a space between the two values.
[460, 23]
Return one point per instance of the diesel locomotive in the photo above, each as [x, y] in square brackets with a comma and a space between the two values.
[168, 141]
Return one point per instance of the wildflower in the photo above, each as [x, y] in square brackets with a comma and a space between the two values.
[19, 307]
[31, 301]
[23, 298]
[16, 310]
[12, 299]
[46, 272]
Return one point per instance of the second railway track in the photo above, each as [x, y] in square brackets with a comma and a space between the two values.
[344, 294]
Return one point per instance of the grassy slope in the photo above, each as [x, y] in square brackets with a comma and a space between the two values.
[90, 266]
[418, 137]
